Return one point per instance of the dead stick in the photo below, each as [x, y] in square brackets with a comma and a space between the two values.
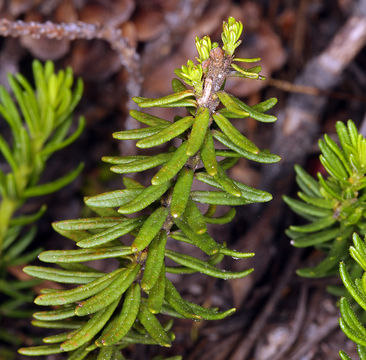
[244, 348]
[81, 30]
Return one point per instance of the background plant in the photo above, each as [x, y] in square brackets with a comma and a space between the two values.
[334, 206]
[350, 322]
[39, 119]
[109, 311]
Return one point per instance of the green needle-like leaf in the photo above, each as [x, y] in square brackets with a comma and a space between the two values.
[90, 329]
[80, 293]
[153, 326]
[154, 261]
[105, 297]
[234, 135]
[150, 229]
[204, 267]
[120, 326]
[167, 133]
[199, 130]
[145, 198]
[181, 192]
[171, 167]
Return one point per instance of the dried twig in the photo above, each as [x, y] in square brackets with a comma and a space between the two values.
[317, 335]
[244, 348]
[298, 322]
[80, 30]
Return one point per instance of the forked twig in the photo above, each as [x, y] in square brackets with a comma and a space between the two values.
[81, 30]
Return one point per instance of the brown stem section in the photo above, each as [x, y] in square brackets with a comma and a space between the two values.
[217, 66]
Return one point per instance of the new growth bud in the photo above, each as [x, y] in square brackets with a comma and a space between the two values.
[230, 36]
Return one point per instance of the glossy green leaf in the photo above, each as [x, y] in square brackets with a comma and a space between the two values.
[234, 135]
[113, 198]
[310, 183]
[95, 223]
[120, 326]
[82, 292]
[208, 154]
[109, 294]
[156, 296]
[203, 241]
[316, 238]
[350, 318]
[204, 267]
[58, 338]
[141, 165]
[178, 85]
[153, 326]
[218, 198]
[62, 276]
[245, 73]
[234, 254]
[148, 119]
[150, 229]
[344, 356]
[40, 350]
[225, 219]
[316, 225]
[232, 103]
[59, 324]
[130, 183]
[90, 329]
[52, 315]
[177, 303]
[199, 129]
[146, 197]
[194, 218]
[110, 234]
[301, 208]
[316, 201]
[154, 261]
[171, 167]
[181, 192]
[165, 100]
[338, 152]
[261, 157]
[358, 251]
[137, 134]
[226, 184]
[351, 287]
[60, 256]
[167, 133]
[265, 105]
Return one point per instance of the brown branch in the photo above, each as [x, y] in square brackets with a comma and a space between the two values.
[80, 30]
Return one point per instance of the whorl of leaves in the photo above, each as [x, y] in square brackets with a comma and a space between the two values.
[39, 118]
[334, 206]
[108, 311]
[351, 313]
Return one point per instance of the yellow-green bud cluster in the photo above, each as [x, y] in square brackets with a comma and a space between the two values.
[191, 75]
[230, 36]
[204, 46]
